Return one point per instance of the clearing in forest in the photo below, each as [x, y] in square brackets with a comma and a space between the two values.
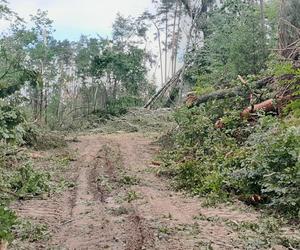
[117, 201]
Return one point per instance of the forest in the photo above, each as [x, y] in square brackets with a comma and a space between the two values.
[180, 130]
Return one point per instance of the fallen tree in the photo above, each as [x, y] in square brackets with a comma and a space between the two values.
[193, 100]
[226, 93]
[174, 80]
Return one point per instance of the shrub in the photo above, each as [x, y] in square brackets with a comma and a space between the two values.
[242, 158]
[26, 180]
[270, 166]
[7, 220]
[10, 124]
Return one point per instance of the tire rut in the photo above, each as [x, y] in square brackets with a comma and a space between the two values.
[105, 212]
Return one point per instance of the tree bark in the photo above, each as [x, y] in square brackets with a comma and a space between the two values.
[3, 245]
[177, 40]
[262, 14]
[166, 48]
[174, 39]
[269, 105]
[160, 54]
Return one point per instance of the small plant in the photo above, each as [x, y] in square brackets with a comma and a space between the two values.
[250, 160]
[131, 196]
[28, 181]
[129, 180]
[164, 230]
[8, 220]
[32, 232]
[11, 129]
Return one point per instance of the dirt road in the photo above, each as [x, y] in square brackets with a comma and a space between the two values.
[118, 202]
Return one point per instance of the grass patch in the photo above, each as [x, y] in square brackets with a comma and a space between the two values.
[129, 180]
[131, 196]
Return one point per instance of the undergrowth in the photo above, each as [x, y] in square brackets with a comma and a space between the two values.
[21, 178]
[256, 160]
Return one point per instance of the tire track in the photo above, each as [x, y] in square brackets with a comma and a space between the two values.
[97, 213]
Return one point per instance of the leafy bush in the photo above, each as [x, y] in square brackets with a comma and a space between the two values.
[26, 230]
[27, 180]
[7, 220]
[198, 151]
[242, 158]
[10, 120]
[270, 165]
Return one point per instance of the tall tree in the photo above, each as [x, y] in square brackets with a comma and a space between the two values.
[289, 26]
[41, 59]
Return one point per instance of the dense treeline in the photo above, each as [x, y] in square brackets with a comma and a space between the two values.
[58, 80]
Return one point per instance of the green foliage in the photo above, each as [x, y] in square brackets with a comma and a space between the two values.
[294, 107]
[121, 67]
[239, 158]
[8, 220]
[10, 120]
[235, 43]
[269, 165]
[198, 152]
[28, 181]
[131, 196]
[129, 180]
[200, 90]
[26, 230]
[279, 69]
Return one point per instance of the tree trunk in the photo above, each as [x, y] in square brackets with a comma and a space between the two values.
[269, 105]
[46, 103]
[160, 54]
[95, 97]
[177, 40]
[114, 93]
[41, 104]
[262, 14]
[35, 102]
[3, 245]
[166, 48]
[174, 39]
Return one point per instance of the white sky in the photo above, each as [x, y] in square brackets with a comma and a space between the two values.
[75, 17]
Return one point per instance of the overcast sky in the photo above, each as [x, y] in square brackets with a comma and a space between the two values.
[75, 17]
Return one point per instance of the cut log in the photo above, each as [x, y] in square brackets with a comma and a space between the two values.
[191, 98]
[267, 106]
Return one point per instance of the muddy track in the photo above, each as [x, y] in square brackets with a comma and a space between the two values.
[119, 203]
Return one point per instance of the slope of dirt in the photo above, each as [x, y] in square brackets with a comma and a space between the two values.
[118, 202]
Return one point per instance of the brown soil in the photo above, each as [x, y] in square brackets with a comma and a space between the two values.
[120, 203]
